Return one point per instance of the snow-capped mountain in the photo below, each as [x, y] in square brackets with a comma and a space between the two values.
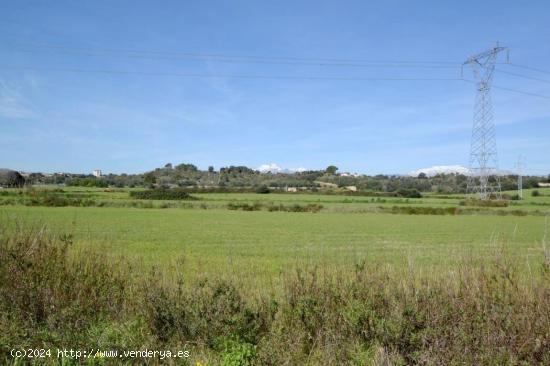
[274, 168]
[441, 169]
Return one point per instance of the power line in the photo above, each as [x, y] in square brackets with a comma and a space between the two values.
[513, 90]
[262, 62]
[229, 76]
[521, 92]
[241, 58]
[529, 68]
[251, 77]
[523, 76]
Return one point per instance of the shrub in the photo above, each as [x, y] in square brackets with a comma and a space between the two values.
[535, 193]
[514, 197]
[87, 182]
[409, 193]
[53, 198]
[483, 203]
[414, 210]
[162, 194]
[257, 206]
[236, 353]
[50, 296]
[263, 189]
[205, 312]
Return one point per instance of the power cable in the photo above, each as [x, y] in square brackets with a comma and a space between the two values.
[229, 76]
[512, 90]
[248, 59]
[529, 68]
[261, 77]
[523, 76]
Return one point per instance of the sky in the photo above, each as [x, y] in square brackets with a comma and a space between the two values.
[128, 86]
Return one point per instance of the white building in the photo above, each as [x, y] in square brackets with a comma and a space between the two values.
[96, 173]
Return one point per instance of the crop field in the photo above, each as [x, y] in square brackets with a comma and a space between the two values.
[205, 237]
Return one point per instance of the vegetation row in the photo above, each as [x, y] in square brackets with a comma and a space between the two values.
[162, 194]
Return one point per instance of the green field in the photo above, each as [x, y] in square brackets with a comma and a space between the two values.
[268, 279]
[259, 245]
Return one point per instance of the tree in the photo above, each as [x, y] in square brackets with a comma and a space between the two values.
[150, 178]
[186, 167]
[168, 166]
[409, 193]
[210, 169]
[422, 175]
[331, 169]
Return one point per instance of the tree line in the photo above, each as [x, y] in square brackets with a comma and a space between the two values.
[232, 178]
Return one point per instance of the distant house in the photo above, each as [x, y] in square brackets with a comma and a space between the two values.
[544, 185]
[351, 188]
[346, 174]
[326, 185]
[97, 173]
[291, 189]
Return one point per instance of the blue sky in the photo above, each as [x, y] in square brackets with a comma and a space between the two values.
[53, 119]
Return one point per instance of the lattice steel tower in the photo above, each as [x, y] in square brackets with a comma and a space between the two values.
[483, 179]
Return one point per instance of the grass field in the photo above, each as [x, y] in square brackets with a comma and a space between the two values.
[226, 277]
[258, 245]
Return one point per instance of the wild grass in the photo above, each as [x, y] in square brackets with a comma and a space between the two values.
[53, 295]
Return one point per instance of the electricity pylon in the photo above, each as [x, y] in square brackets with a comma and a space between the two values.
[520, 164]
[483, 179]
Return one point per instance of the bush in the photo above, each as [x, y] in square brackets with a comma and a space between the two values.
[47, 295]
[205, 312]
[535, 193]
[258, 206]
[373, 315]
[53, 198]
[310, 207]
[409, 193]
[420, 210]
[162, 194]
[483, 203]
[236, 353]
[263, 189]
[87, 182]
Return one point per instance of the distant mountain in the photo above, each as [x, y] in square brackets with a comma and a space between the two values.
[440, 169]
[274, 168]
